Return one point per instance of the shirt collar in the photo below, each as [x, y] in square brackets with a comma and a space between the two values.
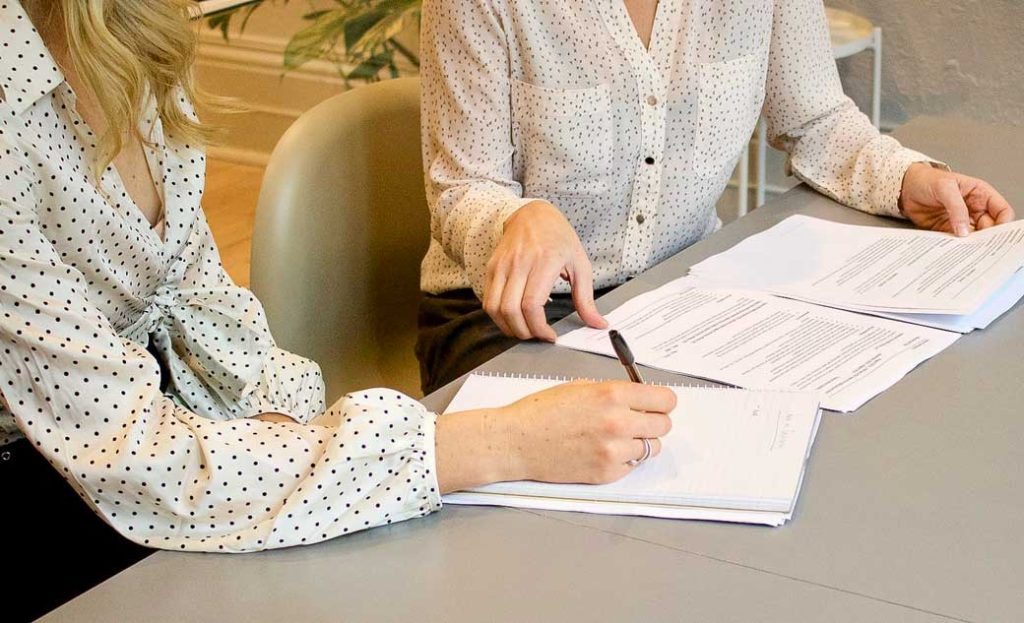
[27, 70]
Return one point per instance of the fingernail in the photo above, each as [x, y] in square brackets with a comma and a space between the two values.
[961, 230]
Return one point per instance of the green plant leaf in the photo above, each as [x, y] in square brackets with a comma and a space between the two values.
[369, 69]
[358, 36]
[360, 24]
[221, 22]
[316, 40]
[248, 13]
[389, 27]
[315, 15]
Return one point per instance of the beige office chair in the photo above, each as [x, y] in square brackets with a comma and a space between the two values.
[341, 227]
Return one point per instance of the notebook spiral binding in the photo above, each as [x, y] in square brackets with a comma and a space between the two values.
[566, 379]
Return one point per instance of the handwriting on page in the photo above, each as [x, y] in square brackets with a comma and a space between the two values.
[784, 429]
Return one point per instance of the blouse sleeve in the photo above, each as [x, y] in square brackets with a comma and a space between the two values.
[163, 476]
[466, 127]
[284, 382]
[831, 145]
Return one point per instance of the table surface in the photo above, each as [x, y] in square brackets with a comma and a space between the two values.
[910, 511]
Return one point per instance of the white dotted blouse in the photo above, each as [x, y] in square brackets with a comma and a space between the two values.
[86, 285]
[560, 100]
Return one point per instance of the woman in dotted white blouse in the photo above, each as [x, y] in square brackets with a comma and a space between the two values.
[132, 368]
[572, 144]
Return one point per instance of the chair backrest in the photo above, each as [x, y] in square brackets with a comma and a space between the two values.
[341, 227]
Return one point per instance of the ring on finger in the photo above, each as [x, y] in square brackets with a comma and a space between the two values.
[646, 455]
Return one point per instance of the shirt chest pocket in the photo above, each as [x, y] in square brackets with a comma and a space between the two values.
[731, 95]
[563, 139]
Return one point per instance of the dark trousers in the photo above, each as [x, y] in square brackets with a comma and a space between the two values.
[56, 547]
[456, 334]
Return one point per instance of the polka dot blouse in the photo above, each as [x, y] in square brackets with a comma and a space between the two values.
[559, 100]
[86, 286]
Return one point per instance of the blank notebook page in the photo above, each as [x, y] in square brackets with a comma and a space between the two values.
[728, 448]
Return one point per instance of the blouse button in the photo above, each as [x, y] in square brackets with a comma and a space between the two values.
[649, 160]
[652, 101]
[640, 219]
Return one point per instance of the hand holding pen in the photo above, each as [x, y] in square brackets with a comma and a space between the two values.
[628, 362]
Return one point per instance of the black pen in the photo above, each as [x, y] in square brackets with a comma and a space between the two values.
[625, 356]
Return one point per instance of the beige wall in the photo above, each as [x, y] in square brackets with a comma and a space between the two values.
[249, 67]
[944, 57]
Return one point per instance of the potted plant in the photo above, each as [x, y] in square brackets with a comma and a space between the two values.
[360, 37]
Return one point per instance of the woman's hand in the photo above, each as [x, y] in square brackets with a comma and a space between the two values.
[538, 247]
[578, 432]
[943, 201]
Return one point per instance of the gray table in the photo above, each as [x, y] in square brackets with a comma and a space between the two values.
[911, 510]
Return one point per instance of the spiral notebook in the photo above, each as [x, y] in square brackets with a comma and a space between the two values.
[732, 455]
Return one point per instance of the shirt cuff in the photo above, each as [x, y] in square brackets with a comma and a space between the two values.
[476, 260]
[402, 428]
[432, 493]
[891, 186]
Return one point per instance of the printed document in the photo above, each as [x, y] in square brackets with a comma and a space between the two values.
[758, 341]
[878, 269]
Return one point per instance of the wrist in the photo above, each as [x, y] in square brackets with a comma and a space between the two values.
[508, 433]
[913, 170]
[476, 448]
[526, 210]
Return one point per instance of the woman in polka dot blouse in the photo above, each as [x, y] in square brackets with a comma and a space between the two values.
[132, 368]
[572, 144]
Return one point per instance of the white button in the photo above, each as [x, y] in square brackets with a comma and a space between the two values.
[652, 101]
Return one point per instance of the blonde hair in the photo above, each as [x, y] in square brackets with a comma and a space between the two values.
[121, 47]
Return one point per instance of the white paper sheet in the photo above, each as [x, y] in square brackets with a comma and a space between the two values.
[1000, 303]
[759, 341]
[732, 455]
[903, 271]
[765, 518]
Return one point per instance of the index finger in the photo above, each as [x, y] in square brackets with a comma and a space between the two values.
[651, 398]
[1000, 209]
[948, 193]
[650, 425]
[582, 282]
[535, 296]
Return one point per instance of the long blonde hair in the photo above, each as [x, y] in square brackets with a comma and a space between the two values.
[121, 47]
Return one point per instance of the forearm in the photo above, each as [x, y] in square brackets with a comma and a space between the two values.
[467, 130]
[831, 145]
[845, 157]
[475, 448]
[243, 485]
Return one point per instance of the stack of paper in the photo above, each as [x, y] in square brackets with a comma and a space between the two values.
[732, 455]
[812, 305]
[759, 341]
[924, 277]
